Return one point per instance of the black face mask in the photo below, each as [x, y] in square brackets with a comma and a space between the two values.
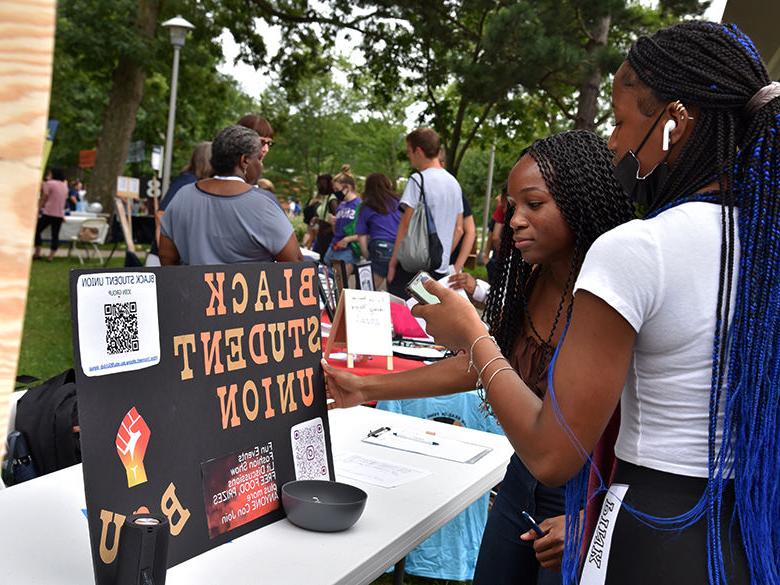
[339, 195]
[642, 190]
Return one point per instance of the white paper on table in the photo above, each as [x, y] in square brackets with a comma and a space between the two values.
[378, 472]
[431, 445]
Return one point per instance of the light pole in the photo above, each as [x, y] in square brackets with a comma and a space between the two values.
[488, 197]
[178, 28]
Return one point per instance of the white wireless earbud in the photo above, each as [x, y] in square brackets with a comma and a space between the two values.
[668, 127]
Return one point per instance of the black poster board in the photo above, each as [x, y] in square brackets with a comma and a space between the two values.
[200, 394]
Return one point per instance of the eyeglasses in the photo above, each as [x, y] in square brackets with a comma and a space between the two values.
[266, 142]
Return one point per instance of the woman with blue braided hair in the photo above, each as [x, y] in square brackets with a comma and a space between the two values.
[678, 317]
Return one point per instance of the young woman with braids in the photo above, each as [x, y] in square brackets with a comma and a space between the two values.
[563, 195]
[677, 315]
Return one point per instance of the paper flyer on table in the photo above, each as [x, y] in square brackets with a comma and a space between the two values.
[378, 472]
[432, 445]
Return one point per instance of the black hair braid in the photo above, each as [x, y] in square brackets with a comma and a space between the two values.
[501, 308]
[577, 169]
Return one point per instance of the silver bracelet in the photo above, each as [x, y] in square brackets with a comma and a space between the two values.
[471, 350]
[487, 386]
[490, 361]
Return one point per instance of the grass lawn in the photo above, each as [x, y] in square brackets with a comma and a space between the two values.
[47, 347]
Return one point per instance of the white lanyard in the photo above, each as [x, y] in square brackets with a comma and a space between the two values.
[231, 178]
[595, 570]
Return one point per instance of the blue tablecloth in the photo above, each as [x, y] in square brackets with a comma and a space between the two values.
[450, 553]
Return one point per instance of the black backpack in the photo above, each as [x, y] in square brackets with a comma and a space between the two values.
[47, 417]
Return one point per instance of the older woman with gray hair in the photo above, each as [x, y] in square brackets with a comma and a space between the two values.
[226, 219]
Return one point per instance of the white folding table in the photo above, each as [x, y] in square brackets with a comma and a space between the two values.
[44, 538]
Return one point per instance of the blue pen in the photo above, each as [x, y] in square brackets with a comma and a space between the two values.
[532, 523]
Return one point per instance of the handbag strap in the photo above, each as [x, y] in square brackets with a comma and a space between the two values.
[326, 206]
[421, 185]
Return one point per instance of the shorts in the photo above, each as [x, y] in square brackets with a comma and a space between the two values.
[344, 255]
[380, 252]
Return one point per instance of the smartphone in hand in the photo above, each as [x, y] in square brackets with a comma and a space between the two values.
[416, 289]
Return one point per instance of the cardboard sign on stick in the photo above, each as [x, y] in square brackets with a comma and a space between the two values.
[125, 221]
[200, 394]
[363, 323]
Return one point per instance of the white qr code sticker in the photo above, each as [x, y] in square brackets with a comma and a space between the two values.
[309, 452]
[118, 327]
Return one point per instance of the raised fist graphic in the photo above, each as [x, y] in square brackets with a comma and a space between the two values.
[132, 438]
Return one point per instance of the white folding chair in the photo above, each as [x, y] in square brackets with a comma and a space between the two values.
[91, 233]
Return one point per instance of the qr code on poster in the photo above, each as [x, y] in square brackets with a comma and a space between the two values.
[309, 453]
[121, 327]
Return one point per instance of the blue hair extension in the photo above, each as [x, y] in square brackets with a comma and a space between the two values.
[753, 378]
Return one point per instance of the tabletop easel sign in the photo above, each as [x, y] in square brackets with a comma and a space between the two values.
[200, 394]
[363, 324]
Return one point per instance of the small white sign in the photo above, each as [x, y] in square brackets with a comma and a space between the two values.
[369, 324]
[129, 187]
[118, 328]
[310, 454]
[365, 276]
[157, 155]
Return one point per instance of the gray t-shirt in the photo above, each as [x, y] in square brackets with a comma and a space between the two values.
[444, 199]
[217, 229]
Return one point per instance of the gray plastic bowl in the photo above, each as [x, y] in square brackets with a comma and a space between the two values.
[324, 506]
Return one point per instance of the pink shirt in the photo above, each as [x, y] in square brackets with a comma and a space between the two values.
[57, 194]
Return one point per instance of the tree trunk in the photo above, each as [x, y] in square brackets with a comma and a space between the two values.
[587, 105]
[127, 91]
[452, 162]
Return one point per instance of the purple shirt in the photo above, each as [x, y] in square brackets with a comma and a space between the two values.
[378, 226]
[345, 214]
